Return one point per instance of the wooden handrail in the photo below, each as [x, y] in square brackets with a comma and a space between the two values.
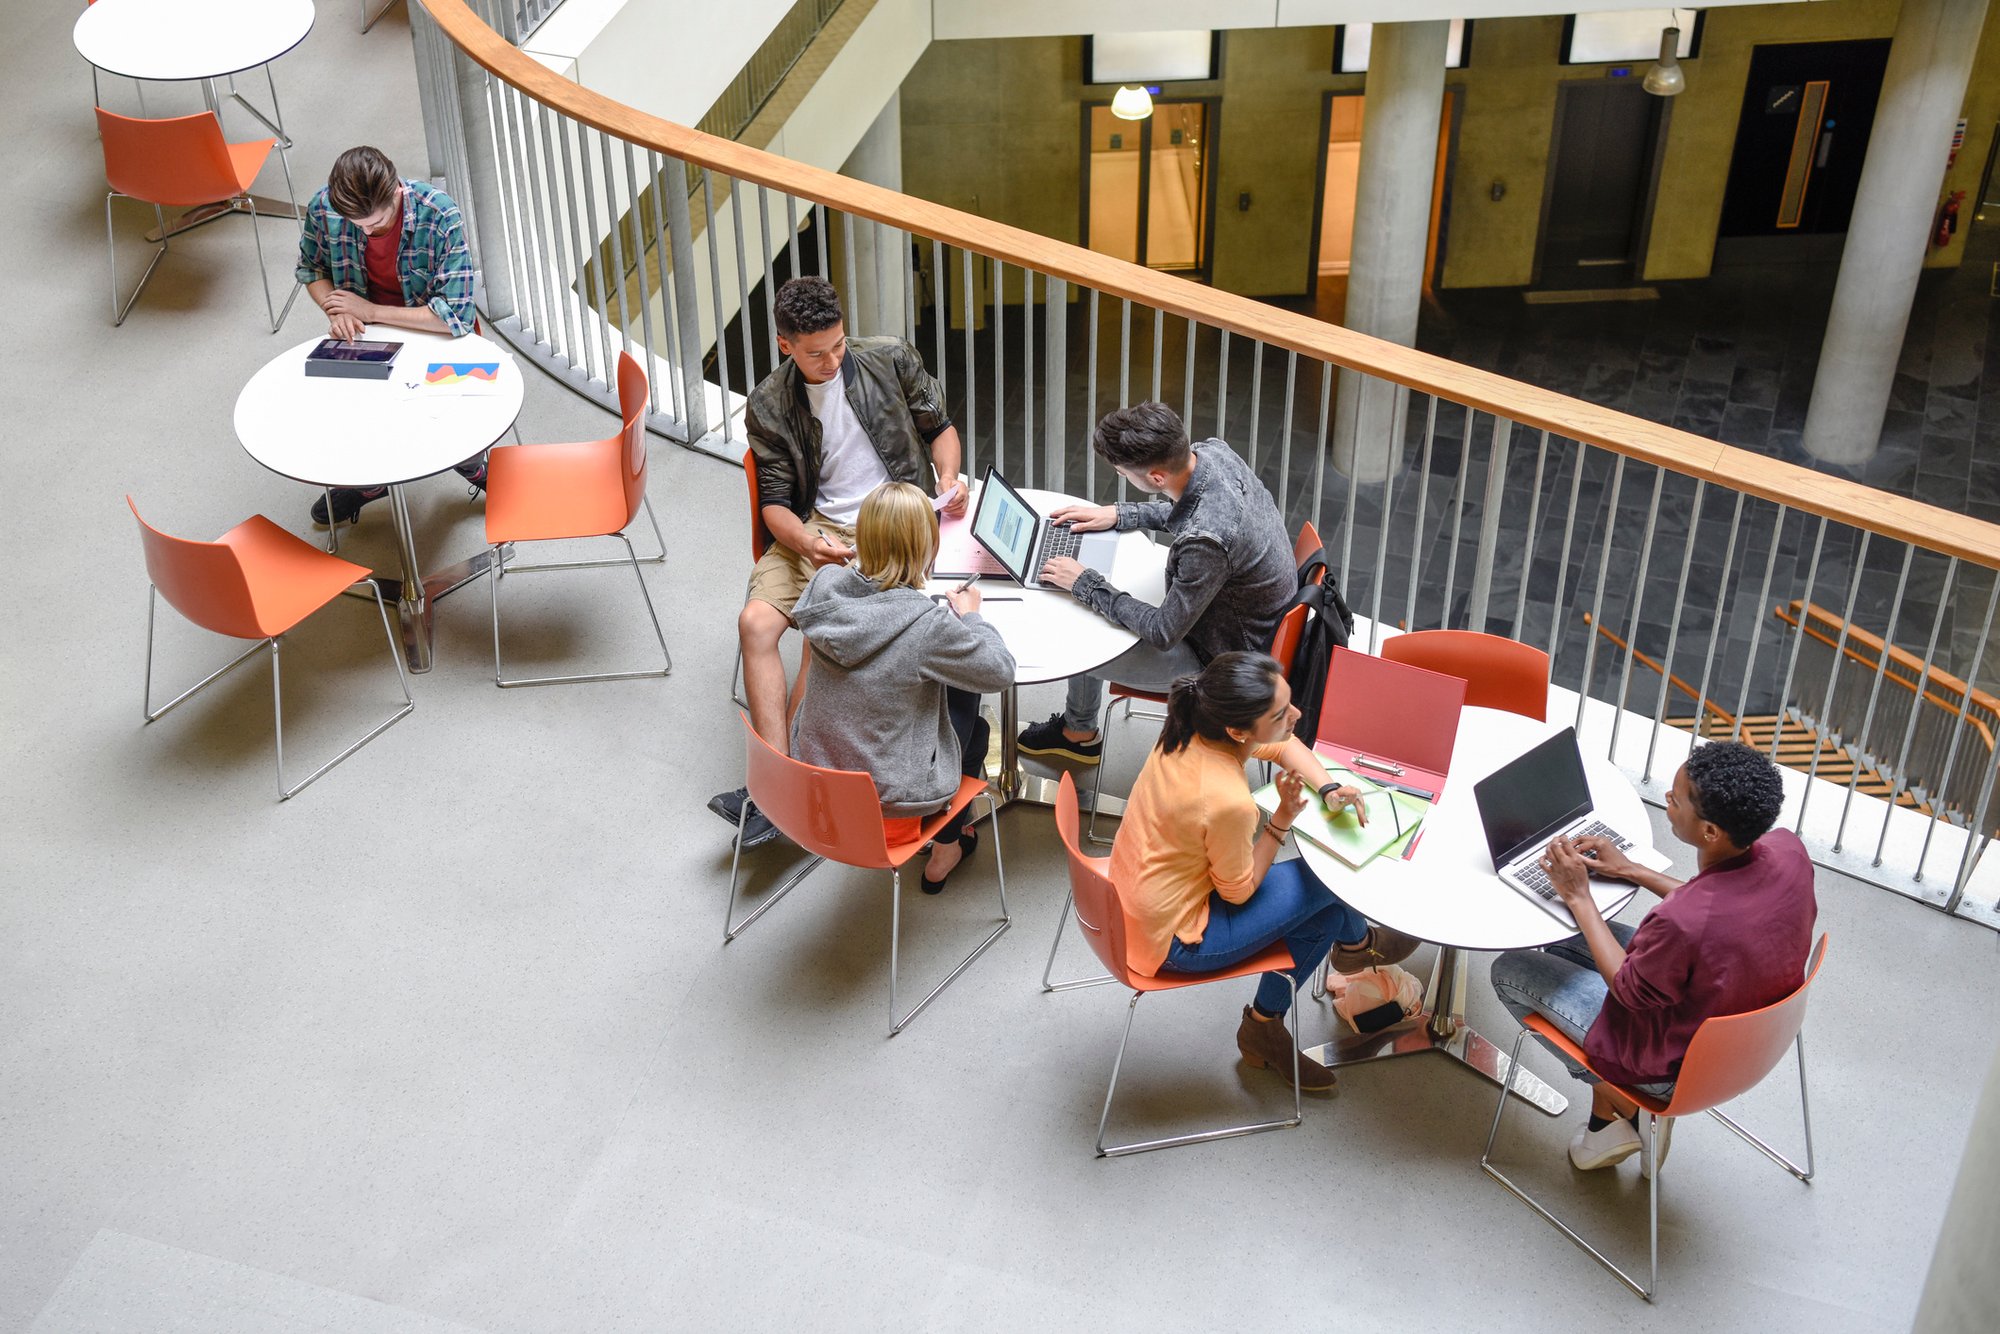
[1918, 524]
[1800, 614]
[1709, 706]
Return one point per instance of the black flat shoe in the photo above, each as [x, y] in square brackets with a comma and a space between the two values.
[968, 843]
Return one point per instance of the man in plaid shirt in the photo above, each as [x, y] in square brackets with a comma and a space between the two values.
[378, 249]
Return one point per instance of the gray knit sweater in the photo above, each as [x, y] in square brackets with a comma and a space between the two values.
[1230, 575]
[881, 659]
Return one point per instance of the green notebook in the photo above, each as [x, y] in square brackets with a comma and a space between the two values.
[1344, 835]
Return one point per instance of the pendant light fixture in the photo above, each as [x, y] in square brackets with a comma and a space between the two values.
[1132, 103]
[1666, 78]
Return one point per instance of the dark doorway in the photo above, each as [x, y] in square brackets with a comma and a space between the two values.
[1807, 110]
[1598, 201]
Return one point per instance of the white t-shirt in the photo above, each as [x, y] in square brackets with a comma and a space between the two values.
[849, 467]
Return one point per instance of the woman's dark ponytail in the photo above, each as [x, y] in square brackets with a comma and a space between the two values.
[1234, 690]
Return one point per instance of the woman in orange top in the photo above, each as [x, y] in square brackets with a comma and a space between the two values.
[1200, 887]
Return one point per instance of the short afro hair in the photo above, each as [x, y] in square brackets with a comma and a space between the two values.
[1736, 789]
[805, 306]
[1145, 435]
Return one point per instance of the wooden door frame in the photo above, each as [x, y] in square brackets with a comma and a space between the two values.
[1450, 121]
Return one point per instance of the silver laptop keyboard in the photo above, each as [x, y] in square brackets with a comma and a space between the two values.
[1058, 540]
[1529, 870]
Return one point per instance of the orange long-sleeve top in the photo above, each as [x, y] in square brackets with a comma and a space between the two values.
[1190, 829]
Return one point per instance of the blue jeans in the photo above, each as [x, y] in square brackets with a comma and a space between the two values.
[1289, 905]
[1560, 982]
[1141, 666]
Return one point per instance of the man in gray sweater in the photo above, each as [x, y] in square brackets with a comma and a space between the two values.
[1230, 575]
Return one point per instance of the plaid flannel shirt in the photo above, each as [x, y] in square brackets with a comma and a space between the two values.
[431, 258]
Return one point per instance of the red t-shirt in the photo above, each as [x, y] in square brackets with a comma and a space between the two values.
[1732, 939]
[385, 285]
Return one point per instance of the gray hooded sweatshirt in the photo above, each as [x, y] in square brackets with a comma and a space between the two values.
[881, 660]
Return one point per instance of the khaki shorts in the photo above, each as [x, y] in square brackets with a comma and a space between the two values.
[782, 574]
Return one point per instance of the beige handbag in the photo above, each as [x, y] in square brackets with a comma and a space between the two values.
[1376, 998]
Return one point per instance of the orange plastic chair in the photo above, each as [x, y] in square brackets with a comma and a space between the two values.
[760, 542]
[1099, 910]
[256, 581]
[183, 162]
[1728, 1056]
[836, 815]
[1284, 643]
[1499, 673]
[548, 493]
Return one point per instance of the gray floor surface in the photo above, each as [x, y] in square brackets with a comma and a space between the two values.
[451, 1041]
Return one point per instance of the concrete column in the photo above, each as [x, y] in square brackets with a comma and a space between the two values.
[881, 268]
[1894, 208]
[1960, 1293]
[1392, 217]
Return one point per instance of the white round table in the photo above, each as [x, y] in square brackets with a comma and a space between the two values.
[1053, 636]
[1447, 893]
[173, 40]
[360, 433]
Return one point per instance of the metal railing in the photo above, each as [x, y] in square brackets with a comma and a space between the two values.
[1450, 496]
[753, 86]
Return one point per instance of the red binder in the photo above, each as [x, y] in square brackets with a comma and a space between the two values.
[1393, 714]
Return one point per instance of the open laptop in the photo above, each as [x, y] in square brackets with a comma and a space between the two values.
[1022, 541]
[1533, 799]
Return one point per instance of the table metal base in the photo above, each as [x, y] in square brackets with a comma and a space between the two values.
[414, 593]
[1443, 1029]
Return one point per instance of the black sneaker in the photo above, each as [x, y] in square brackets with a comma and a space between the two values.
[347, 503]
[757, 829]
[1046, 738]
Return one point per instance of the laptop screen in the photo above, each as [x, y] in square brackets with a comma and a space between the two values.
[1005, 525]
[1528, 799]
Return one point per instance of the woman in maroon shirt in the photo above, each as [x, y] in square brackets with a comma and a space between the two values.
[1733, 938]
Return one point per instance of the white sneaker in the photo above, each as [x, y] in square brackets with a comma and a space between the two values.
[1663, 1136]
[1591, 1149]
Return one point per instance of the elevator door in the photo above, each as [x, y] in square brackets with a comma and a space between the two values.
[1601, 176]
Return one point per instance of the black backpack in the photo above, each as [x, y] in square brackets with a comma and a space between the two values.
[1328, 626]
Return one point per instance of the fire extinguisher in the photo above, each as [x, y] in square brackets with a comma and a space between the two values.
[1947, 220]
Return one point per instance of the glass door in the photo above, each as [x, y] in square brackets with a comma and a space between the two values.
[1147, 186]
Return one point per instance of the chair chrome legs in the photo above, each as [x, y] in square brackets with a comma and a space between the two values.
[241, 204]
[1104, 756]
[1652, 1285]
[495, 571]
[1202, 1136]
[897, 1025]
[285, 793]
[119, 312]
[368, 21]
[731, 928]
[1069, 901]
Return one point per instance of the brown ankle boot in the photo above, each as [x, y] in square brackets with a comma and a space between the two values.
[1267, 1044]
[1380, 946]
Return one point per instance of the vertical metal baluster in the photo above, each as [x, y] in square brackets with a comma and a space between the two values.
[1798, 637]
[1562, 564]
[1638, 604]
[532, 277]
[1187, 378]
[820, 240]
[1875, 695]
[1958, 735]
[637, 214]
[1326, 374]
[1285, 439]
[1976, 839]
[792, 235]
[743, 319]
[1757, 628]
[851, 297]
[1222, 389]
[1603, 576]
[1423, 500]
[1839, 654]
[998, 269]
[770, 275]
[939, 281]
[1916, 708]
[716, 303]
[1124, 367]
[669, 319]
[1457, 512]
[541, 170]
[581, 226]
[1673, 631]
[1486, 547]
[1159, 349]
[1382, 535]
[1715, 619]
[1534, 531]
[1347, 517]
[1257, 403]
[1028, 377]
[971, 368]
[905, 250]
[507, 147]
[1090, 402]
[1055, 391]
[685, 307]
[615, 288]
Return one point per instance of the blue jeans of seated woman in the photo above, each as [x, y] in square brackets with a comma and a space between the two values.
[1560, 982]
[1290, 904]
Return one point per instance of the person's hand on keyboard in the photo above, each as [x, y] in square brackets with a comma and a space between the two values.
[1569, 873]
[1086, 518]
[1061, 573]
[1606, 857]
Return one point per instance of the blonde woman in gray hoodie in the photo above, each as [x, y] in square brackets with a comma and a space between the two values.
[895, 675]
